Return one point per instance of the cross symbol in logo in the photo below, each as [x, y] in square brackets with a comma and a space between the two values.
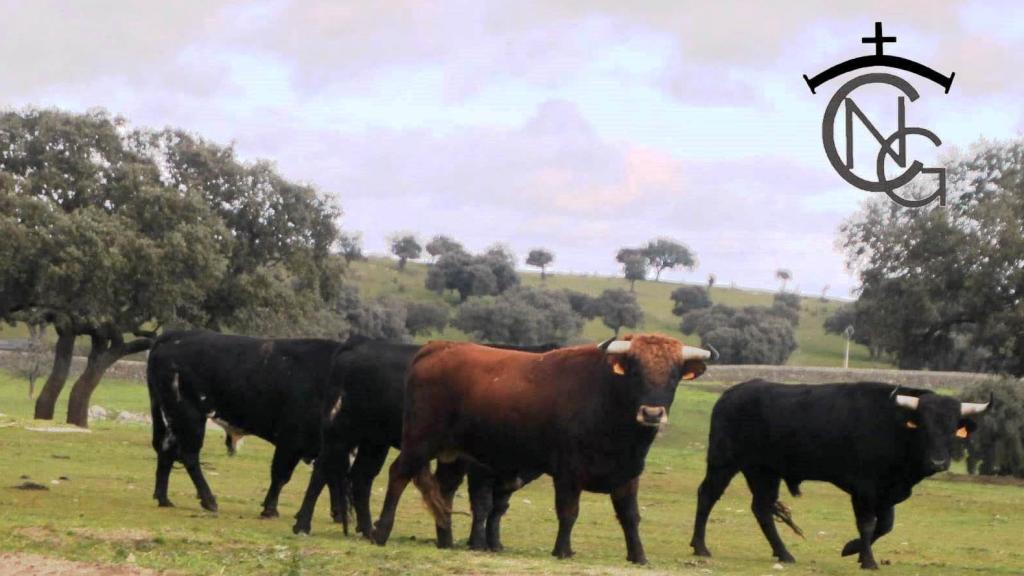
[878, 40]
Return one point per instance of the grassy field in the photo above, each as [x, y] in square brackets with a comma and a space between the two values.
[378, 277]
[103, 512]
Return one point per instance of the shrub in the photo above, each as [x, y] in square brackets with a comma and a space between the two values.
[997, 446]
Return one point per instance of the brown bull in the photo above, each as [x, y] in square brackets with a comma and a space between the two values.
[585, 415]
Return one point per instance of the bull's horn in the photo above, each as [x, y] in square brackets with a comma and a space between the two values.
[908, 402]
[968, 408]
[714, 352]
[618, 347]
[694, 353]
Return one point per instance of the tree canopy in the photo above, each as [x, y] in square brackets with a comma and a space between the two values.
[523, 315]
[689, 298]
[749, 335]
[942, 288]
[405, 247]
[540, 258]
[667, 254]
[490, 273]
[619, 308]
[111, 231]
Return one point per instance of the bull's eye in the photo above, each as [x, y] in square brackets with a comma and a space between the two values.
[962, 432]
[911, 424]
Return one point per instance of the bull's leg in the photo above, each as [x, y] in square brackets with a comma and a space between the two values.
[369, 460]
[317, 480]
[481, 501]
[500, 497]
[867, 521]
[206, 498]
[567, 506]
[765, 488]
[882, 527]
[164, 463]
[715, 482]
[281, 468]
[408, 464]
[628, 512]
[449, 476]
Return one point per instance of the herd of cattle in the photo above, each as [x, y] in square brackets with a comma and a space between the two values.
[502, 416]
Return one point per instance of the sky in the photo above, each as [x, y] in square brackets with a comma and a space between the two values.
[581, 127]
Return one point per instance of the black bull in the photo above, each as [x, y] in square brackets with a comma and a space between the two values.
[273, 389]
[368, 378]
[873, 441]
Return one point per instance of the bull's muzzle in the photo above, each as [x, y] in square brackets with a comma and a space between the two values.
[652, 415]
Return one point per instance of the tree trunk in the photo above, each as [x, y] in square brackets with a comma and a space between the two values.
[543, 273]
[58, 374]
[632, 284]
[657, 275]
[102, 355]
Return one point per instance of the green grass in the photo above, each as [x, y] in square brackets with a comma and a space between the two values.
[377, 277]
[104, 512]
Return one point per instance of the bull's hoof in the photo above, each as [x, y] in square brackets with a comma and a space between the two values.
[165, 503]
[563, 554]
[269, 513]
[852, 547]
[301, 528]
[495, 547]
[209, 505]
[701, 550]
[785, 557]
[869, 565]
[640, 559]
[380, 534]
[478, 545]
[444, 538]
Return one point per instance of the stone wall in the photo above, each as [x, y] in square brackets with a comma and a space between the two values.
[724, 373]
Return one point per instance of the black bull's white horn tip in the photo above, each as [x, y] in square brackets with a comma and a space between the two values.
[908, 402]
[968, 408]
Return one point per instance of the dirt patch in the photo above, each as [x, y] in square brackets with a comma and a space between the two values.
[35, 565]
[120, 535]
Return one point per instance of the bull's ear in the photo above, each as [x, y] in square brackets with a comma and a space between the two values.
[692, 369]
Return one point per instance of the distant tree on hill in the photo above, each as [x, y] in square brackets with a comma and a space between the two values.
[351, 247]
[406, 248]
[711, 282]
[787, 306]
[666, 254]
[688, 298]
[583, 304]
[490, 273]
[540, 258]
[425, 317]
[824, 292]
[783, 276]
[618, 308]
[523, 315]
[634, 265]
[749, 335]
[440, 245]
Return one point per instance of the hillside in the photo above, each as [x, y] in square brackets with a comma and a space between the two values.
[378, 277]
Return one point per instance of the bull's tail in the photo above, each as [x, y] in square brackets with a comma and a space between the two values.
[163, 437]
[784, 514]
[431, 491]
